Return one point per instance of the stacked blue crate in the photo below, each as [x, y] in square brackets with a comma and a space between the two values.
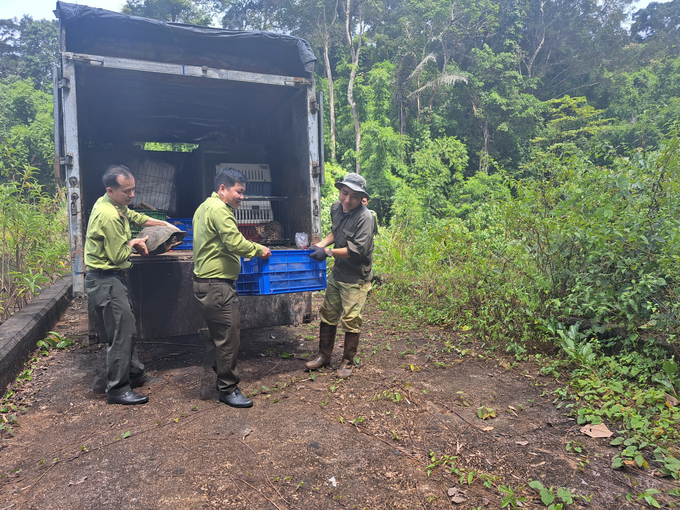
[285, 271]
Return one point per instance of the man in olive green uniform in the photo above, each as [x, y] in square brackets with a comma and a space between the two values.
[352, 232]
[218, 246]
[108, 246]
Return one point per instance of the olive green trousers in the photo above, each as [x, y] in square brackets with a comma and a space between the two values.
[218, 304]
[108, 295]
[343, 304]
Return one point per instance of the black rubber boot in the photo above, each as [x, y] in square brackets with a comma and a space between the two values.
[351, 346]
[326, 343]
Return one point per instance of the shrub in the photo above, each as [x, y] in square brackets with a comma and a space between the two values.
[33, 240]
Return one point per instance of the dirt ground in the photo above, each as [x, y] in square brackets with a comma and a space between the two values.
[311, 441]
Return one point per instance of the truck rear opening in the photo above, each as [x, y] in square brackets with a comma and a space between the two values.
[221, 97]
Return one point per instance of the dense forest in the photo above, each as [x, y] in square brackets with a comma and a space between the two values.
[522, 155]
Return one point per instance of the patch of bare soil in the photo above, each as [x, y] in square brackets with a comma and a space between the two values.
[311, 440]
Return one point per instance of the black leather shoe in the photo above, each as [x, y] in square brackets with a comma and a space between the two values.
[129, 399]
[235, 399]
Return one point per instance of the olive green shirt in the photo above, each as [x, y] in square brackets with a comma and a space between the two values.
[218, 244]
[108, 233]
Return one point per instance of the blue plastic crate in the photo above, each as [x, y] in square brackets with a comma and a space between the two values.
[185, 225]
[285, 271]
[248, 283]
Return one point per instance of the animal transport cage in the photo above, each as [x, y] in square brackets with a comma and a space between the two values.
[154, 184]
[264, 220]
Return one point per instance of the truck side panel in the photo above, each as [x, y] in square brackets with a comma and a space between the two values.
[72, 173]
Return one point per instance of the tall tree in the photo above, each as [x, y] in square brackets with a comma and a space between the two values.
[26, 128]
[437, 41]
[568, 44]
[317, 22]
[176, 11]
[28, 48]
[250, 14]
[659, 24]
[354, 30]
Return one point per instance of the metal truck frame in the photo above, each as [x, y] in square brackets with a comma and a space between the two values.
[124, 81]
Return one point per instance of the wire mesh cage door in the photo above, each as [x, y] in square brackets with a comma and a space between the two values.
[155, 184]
[264, 220]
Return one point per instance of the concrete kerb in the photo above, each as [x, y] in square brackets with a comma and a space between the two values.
[20, 333]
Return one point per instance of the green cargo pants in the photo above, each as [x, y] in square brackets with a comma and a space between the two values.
[108, 295]
[343, 304]
[218, 304]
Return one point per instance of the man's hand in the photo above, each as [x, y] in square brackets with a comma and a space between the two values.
[139, 245]
[319, 253]
[266, 253]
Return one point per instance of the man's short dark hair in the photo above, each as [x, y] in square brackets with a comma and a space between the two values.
[229, 177]
[110, 177]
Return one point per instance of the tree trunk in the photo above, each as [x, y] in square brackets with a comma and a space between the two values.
[350, 87]
[355, 114]
[418, 101]
[484, 158]
[331, 100]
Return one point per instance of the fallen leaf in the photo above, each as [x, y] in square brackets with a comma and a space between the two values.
[671, 400]
[332, 481]
[487, 429]
[600, 430]
[247, 432]
[78, 482]
[522, 443]
[457, 496]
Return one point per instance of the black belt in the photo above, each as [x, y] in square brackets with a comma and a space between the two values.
[107, 272]
[213, 280]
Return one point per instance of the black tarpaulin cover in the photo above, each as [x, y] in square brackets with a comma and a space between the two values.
[101, 32]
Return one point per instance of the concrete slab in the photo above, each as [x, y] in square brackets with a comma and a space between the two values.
[20, 333]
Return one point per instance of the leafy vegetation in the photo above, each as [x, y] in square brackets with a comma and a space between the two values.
[33, 241]
[53, 340]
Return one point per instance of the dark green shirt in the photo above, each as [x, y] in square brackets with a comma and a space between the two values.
[108, 232]
[218, 244]
[375, 221]
[353, 231]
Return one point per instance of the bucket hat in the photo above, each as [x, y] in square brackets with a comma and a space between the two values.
[354, 182]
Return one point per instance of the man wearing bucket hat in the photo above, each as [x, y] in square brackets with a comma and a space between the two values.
[348, 285]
